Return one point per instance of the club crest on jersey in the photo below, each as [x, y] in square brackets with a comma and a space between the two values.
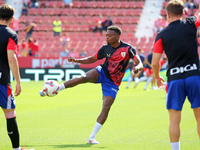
[123, 54]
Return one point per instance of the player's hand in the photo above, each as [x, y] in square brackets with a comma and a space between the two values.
[135, 70]
[18, 89]
[160, 82]
[71, 59]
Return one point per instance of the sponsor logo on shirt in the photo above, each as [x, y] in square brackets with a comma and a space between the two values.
[108, 55]
[187, 68]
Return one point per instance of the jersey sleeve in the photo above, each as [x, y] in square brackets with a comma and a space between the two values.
[12, 43]
[158, 45]
[197, 22]
[100, 54]
[132, 52]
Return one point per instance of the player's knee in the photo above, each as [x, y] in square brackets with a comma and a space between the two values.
[11, 114]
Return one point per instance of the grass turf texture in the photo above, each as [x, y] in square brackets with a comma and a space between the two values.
[138, 120]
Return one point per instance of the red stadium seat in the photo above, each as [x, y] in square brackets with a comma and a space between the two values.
[138, 12]
[78, 19]
[63, 19]
[81, 11]
[100, 4]
[124, 4]
[84, 27]
[164, 4]
[119, 20]
[67, 28]
[46, 19]
[22, 19]
[108, 4]
[87, 20]
[65, 11]
[90, 12]
[139, 4]
[130, 12]
[106, 12]
[116, 4]
[49, 11]
[92, 4]
[57, 11]
[83, 4]
[97, 11]
[131, 4]
[163, 12]
[74, 11]
[113, 12]
[21, 27]
[70, 19]
[135, 19]
[38, 19]
[52, 4]
[76, 4]
[32, 11]
[75, 27]
[41, 11]
[60, 4]
[121, 12]
[30, 18]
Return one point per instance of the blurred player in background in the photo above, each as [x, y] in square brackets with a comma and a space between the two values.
[136, 76]
[109, 74]
[8, 60]
[179, 42]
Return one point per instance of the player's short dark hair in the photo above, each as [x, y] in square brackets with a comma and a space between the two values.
[175, 7]
[116, 29]
[6, 12]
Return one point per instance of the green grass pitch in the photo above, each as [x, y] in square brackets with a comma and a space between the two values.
[138, 120]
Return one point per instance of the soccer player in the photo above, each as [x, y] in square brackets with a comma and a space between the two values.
[8, 60]
[136, 76]
[179, 42]
[109, 74]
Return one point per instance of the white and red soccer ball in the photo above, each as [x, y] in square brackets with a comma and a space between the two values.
[51, 88]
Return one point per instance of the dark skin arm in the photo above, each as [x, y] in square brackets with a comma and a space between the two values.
[86, 60]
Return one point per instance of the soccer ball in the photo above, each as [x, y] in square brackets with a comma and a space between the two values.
[50, 88]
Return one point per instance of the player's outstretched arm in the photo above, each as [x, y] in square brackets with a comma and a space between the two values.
[139, 65]
[86, 60]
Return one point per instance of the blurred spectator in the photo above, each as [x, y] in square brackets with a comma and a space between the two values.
[64, 40]
[57, 27]
[83, 53]
[35, 48]
[65, 53]
[25, 7]
[108, 22]
[30, 46]
[29, 29]
[98, 26]
[158, 25]
[34, 4]
[68, 3]
[74, 53]
[22, 48]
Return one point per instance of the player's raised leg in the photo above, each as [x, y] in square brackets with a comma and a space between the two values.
[90, 76]
[174, 128]
[197, 116]
[107, 103]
